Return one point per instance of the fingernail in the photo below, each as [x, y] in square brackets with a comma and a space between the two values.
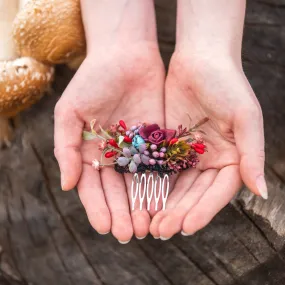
[156, 237]
[103, 233]
[165, 238]
[124, 242]
[185, 234]
[140, 237]
[261, 186]
[63, 182]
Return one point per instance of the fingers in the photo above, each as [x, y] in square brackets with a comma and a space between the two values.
[219, 194]
[117, 200]
[172, 222]
[140, 216]
[67, 141]
[249, 136]
[182, 184]
[92, 197]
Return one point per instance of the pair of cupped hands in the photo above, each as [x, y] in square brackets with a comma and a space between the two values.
[129, 83]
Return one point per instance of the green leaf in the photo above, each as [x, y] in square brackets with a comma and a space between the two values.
[88, 136]
[121, 142]
[105, 133]
[121, 139]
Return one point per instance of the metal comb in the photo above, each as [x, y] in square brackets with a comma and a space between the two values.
[152, 187]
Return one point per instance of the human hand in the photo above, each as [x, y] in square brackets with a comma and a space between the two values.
[208, 81]
[121, 78]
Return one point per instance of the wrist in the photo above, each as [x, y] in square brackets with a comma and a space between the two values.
[210, 27]
[189, 64]
[120, 23]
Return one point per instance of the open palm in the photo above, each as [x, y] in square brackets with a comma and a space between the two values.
[217, 89]
[109, 86]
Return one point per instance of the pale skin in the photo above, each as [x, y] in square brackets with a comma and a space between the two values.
[205, 79]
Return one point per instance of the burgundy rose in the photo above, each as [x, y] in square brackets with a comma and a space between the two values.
[155, 135]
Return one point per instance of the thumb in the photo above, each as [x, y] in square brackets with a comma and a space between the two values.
[249, 137]
[67, 141]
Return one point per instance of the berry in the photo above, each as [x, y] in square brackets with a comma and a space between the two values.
[152, 161]
[146, 152]
[110, 154]
[199, 150]
[161, 154]
[113, 143]
[123, 124]
[127, 139]
[153, 146]
[163, 149]
[145, 159]
[155, 154]
[173, 141]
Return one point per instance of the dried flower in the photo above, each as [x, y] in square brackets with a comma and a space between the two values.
[113, 128]
[102, 145]
[138, 141]
[155, 135]
[148, 148]
[96, 164]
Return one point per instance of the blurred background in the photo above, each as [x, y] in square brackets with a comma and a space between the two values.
[45, 237]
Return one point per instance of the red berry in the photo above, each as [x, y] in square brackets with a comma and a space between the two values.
[123, 124]
[110, 154]
[199, 150]
[127, 139]
[113, 143]
[173, 141]
[199, 145]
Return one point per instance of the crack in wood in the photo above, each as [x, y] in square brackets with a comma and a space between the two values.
[247, 248]
[200, 268]
[15, 267]
[59, 255]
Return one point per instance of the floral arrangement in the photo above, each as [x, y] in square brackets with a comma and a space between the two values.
[146, 147]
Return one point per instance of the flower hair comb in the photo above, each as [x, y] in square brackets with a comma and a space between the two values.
[146, 148]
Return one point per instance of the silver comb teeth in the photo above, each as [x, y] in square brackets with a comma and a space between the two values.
[151, 186]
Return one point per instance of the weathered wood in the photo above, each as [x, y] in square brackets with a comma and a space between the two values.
[45, 237]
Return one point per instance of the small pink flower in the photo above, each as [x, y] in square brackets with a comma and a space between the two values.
[113, 128]
[96, 164]
[198, 138]
[102, 145]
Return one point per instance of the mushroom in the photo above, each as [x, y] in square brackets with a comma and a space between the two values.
[23, 81]
[51, 32]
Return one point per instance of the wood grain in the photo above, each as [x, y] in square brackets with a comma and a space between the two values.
[45, 237]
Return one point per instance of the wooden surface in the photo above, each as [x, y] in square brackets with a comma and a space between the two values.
[45, 238]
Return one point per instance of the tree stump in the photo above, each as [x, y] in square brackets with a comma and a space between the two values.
[45, 237]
